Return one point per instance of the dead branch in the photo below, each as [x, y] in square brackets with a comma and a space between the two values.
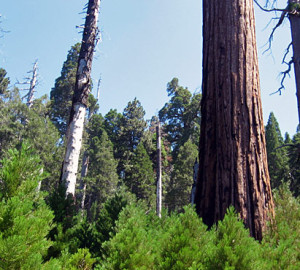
[268, 10]
[284, 74]
[286, 53]
[297, 146]
[287, 71]
[280, 21]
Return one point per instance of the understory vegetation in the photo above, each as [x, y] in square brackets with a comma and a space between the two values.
[126, 235]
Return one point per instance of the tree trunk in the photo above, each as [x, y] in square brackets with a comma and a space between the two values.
[195, 178]
[158, 172]
[30, 95]
[84, 172]
[294, 18]
[80, 98]
[232, 154]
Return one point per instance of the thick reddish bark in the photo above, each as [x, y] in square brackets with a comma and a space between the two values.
[232, 155]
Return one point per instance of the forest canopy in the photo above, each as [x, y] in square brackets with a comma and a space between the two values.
[228, 185]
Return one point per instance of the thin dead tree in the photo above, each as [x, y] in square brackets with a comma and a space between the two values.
[32, 82]
[233, 168]
[158, 172]
[86, 159]
[80, 98]
[292, 12]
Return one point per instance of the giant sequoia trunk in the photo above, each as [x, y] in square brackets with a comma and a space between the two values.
[232, 161]
[294, 17]
[80, 98]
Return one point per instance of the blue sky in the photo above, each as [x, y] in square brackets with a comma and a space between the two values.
[145, 43]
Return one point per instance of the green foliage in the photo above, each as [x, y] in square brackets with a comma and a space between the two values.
[282, 240]
[62, 93]
[293, 8]
[179, 189]
[180, 241]
[92, 235]
[18, 167]
[112, 123]
[185, 242]
[233, 248]
[80, 260]
[18, 123]
[25, 219]
[139, 175]
[4, 82]
[294, 162]
[131, 130]
[102, 178]
[132, 125]
[132, 245]
[181, 116]
[277, 155]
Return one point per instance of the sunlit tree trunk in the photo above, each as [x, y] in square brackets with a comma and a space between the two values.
[232, 161]
[80, 98]
[33, 82]
[158, 172]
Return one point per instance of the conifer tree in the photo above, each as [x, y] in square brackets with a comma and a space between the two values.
[131, 130]
[179, 189]
[25, 219]
[63, 90]
[294, 162]
[4, 81]
[37, 129]
[181, 116]
[277, 155]
[112, 125]
[140, 177]
[102, 178]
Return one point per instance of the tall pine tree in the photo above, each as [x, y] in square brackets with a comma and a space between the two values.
[179, 189]
[63, 90]
[277, 155]
[181, 116]
[140, 177]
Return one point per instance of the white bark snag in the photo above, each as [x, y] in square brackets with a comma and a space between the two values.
[294, 17]
[84, 172]
[30, 95]
[158, 173]
[80, 98]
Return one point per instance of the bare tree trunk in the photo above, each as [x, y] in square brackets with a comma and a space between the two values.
[84, 172]
[30, 95]
[232, 154]
[195, 178]
[80, 98]
[158, 173]
[295, 26]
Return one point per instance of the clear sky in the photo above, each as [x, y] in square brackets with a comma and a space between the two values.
[145, 43]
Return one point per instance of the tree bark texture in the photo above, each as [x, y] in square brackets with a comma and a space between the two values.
[80, 98]
[232, 154]
[158, 172]
[84, 172]
[30, 95]
[294, 18]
